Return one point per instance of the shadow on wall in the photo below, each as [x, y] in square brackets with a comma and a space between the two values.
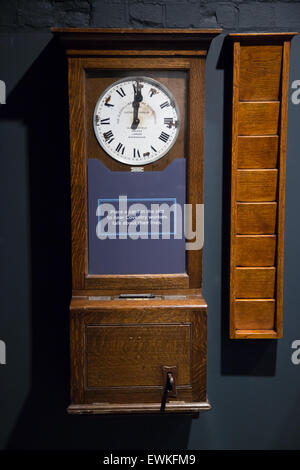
[238, 357]
[40, 101]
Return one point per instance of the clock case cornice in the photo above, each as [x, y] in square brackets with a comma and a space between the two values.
[259, 37]
[158, 41]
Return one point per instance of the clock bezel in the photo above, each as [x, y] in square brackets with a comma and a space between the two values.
[156, 83]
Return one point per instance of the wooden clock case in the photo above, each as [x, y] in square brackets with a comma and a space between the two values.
[128, 331]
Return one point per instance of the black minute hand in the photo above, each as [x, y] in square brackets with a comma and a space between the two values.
[136, 104]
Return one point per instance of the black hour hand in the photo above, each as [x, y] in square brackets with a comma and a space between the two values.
[137, 92]
[136, 120]
[136, 104]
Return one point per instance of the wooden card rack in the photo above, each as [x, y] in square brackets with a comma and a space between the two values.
[259, 128]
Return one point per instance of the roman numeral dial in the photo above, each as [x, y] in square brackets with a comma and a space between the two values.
[136, 120]
[164, 136]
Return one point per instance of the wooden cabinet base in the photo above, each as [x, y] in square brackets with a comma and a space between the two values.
[121, 349]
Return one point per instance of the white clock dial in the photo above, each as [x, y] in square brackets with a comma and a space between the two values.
[136, 120]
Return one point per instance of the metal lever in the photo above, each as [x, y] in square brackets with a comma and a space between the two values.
[169, 387]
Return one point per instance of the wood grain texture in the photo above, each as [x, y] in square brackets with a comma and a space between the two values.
[258, 118]
[256, 185]
[258, 151]
[281, 190]
[260, 72]
[118, 332]
[260, 98]
[255, 334]
[134, 63]
[78, 172]
[195, 161]
[126, 282]
[234, 217]
[166, 301]
[145, 348]
[194, 153]
[123, 65]
[253, 250]
[255, 314]
[90, 41]
[256, 218]
[255, 283]
[77, 361]
[119, 346]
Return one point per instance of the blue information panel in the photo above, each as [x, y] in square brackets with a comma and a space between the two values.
[135, 220]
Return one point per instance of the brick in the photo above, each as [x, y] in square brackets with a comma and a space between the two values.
[83, 6]
[36, 14]
[8, 16]
[190, 15]
[146, 14]
[109, 14]
[72, 13]
[72, 19]
[227, 16]
[287, 16]
[260, 15]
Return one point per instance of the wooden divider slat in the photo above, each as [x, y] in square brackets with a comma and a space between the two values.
[256, 185]
[255, 314]
[253, 250]
[258, 118]
[256, 218]
[255, 283]
[257, 151]
[260, 72]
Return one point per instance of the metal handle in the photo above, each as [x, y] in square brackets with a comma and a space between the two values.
[169, 387]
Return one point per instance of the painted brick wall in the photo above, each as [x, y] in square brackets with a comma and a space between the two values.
[28, 15]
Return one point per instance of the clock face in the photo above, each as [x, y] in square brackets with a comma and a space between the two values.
[136, 120]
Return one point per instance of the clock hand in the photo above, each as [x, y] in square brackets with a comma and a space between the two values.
[137, 91]
[136, 104]
[136, 120]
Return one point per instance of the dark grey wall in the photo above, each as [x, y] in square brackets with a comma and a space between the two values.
[253, 385]
[34, 15]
